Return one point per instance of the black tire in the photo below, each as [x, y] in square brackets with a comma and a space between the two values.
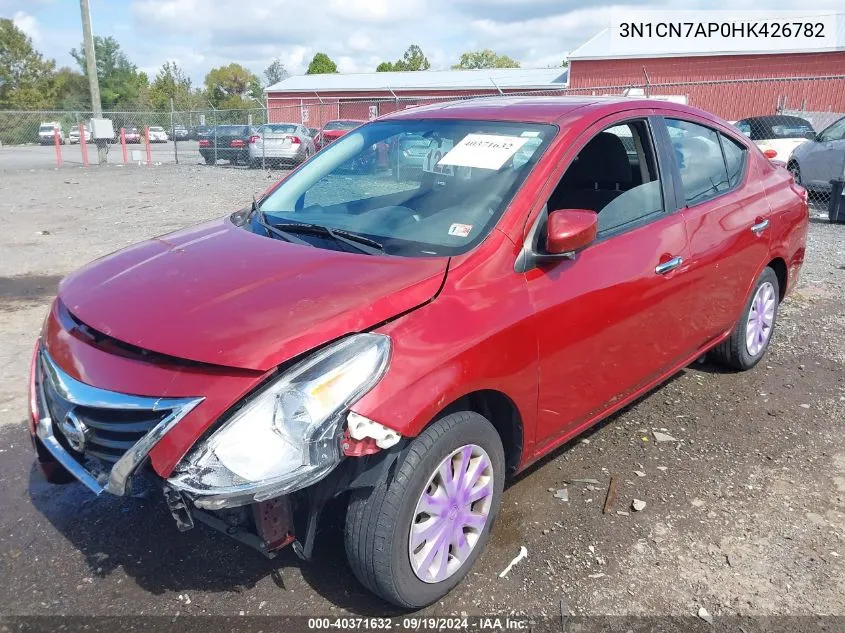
[795, 170]
[733, 351]
[209, 160]
[254, 163]
[378, 520]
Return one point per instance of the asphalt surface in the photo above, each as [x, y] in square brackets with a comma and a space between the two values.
[745, 506]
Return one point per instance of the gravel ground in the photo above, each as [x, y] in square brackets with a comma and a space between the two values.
[744, 514]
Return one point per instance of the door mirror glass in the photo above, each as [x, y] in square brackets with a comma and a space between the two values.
[570, 230]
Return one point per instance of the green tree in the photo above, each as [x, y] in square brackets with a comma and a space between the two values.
[276, 72]
[321, 64]
[26, 78]
[171, 82]
[121, 85]
[72, 91]
[232, 87]
[484, 59]
[413, 59]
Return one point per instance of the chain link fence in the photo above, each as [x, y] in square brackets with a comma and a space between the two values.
[798, 122]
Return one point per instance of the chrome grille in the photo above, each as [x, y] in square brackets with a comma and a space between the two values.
[101, 436]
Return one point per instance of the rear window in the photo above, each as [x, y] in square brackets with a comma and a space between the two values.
[279, 129]
[342, 125]
[232, 129]
[45, 128]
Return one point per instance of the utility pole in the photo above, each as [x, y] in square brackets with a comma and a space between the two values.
[90, 59]
[93, 78]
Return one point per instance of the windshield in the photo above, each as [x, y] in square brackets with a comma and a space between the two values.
[155, 128]
[342, 125]
[442, 203]
[46, 128]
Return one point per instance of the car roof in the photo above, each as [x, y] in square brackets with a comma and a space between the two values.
[536, 109]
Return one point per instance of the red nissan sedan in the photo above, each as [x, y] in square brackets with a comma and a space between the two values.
[408, 344]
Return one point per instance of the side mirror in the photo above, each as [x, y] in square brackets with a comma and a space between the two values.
[812, 136]
[570, 230]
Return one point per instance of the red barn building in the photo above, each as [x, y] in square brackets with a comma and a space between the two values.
[315, 99]
[730, 84]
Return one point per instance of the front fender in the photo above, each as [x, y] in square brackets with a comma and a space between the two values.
[478, 334]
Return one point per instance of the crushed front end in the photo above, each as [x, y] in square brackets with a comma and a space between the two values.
[255, 455]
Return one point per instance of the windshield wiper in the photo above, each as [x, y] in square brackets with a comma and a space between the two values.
[261, 218]
[358, 242]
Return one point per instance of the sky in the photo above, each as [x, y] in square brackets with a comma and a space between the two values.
[356, 34]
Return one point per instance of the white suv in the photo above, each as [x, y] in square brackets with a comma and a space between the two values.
[47, 131]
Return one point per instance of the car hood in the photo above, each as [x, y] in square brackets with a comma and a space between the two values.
[220, 294]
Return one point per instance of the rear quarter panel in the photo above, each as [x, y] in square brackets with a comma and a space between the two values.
[790, 217]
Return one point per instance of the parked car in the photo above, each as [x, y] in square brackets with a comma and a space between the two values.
[227, 142]
[777, 135]
[47, 133]
[74, 135]
[158, 134]
[132, 135]
[180, 132]
[199, 132]
[407, 348]
[815, 163]
[333, 130]
[279, 143]
[408, 154]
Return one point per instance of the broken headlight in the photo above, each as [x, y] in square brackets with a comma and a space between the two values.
[287, 436]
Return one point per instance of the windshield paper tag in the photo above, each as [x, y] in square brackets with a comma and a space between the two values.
[460, 230]
[485, 151]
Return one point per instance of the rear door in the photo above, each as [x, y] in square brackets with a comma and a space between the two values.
[728, 220]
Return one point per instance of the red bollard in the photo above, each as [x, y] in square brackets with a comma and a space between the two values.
[123, 145]
[149, 149]
[83, 145]
[58, 141]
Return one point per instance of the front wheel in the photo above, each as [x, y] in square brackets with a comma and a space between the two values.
[412, 539]
[750, 339]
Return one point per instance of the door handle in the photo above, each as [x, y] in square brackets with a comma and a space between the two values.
[665, 267]
[760, 227]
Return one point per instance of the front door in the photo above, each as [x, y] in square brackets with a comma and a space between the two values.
[613, 318]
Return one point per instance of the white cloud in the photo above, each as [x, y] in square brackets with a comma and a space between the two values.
[28, 24]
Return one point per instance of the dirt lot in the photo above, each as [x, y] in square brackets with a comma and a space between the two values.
[745, 509]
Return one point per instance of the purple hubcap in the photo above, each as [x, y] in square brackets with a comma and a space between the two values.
[451, 514]
[761, 319]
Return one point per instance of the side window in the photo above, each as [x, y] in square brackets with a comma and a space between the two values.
[734, 159]
[615, 174]
[700, 160]
[835, 132]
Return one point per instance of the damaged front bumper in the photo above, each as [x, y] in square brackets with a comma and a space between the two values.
[103, 438]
